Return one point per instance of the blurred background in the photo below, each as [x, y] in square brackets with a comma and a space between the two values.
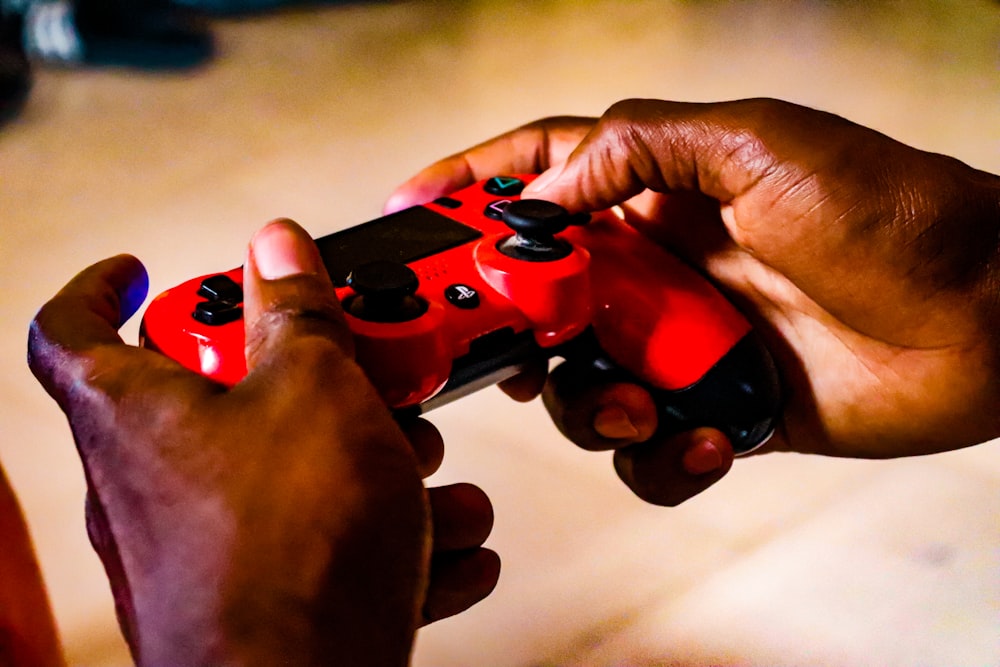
[317, 113]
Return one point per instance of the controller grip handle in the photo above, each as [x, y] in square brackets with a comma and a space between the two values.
[740, 395]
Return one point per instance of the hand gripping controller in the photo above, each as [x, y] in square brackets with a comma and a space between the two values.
[462, 292]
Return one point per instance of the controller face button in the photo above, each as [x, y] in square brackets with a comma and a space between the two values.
[504, 186]
[220, 288]
[462, 296]
[447, 202]
[217, 313]
[494, 210]
[385, 292]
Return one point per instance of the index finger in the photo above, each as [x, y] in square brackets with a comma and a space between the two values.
[529, 149]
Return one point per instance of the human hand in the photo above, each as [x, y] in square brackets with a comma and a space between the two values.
[869, 267]
[283, 520]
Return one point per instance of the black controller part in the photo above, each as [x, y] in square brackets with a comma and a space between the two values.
[385, 292]
[223, 299]
[535, 223]
[739, 396]
[492, 358]
[404, 237]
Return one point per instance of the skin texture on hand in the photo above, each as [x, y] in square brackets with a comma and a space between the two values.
[283, 520]
[870, 268]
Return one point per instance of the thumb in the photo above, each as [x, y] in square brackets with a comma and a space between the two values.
[292, 317]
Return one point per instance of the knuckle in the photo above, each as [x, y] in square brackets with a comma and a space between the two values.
[37, 340]
[631, 109]
[304, 348]
[49, 357]
[43, 326]
[303, 327]
[623, 120]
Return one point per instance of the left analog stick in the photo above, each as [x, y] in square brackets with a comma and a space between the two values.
[385, 292]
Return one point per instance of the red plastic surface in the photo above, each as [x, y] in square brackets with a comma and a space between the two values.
[168, 326]
[418, 353]
[652, 314]
[554, 296]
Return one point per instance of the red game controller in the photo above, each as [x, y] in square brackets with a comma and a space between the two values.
[465, 291]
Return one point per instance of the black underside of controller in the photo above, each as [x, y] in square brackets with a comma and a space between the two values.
[740, 395]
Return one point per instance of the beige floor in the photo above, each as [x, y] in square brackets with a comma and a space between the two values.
[318, 114]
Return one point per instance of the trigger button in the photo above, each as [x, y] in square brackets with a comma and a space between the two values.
[220, 288]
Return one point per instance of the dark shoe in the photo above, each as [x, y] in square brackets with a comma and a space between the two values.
[223, 7]
[242, 7]
[15, 71]
[146, 34]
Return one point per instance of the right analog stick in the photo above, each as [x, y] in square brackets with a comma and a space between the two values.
[535, 223]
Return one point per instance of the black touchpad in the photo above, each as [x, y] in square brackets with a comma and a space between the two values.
[404, 236]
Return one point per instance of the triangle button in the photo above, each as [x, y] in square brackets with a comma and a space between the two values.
[504, 186]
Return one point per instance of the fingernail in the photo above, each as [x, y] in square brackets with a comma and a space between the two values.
[613, 422]
[133, 294]
[280, 250]
[544, 180]
[702, 458]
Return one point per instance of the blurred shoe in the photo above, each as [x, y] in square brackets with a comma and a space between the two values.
[146, 34]
[233, 6]
[15, 71]
[236, 7]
